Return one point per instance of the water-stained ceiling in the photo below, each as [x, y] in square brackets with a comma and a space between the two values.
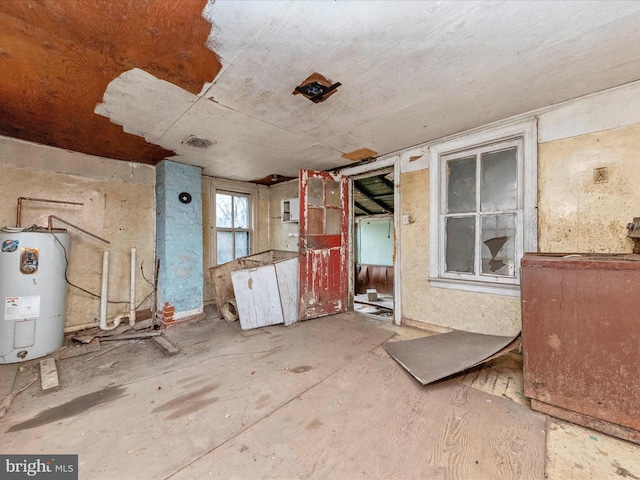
[210, 84]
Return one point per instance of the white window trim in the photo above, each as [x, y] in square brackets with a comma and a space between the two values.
[527, 130]
[217, 185]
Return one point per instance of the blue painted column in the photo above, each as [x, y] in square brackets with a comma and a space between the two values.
[179, 242]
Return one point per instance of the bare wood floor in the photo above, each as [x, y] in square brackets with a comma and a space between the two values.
[320, 399]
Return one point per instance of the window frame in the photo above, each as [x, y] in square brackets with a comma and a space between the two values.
[233, 229]
[217, 185]
[524, 133]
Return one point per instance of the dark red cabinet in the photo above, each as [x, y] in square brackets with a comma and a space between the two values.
[581, 339]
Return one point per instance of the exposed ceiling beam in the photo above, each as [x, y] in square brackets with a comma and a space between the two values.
[360, 207]
[357, 186]
[384, 180]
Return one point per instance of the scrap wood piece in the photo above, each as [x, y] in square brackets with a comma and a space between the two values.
[166, 346]
[86, 336]
[49, 375]
[132, 336]
[436, 357]
[83, 338]
[143, 324]
[6, 403]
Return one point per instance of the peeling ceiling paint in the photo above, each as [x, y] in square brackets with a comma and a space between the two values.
[57, 58]
[411, 72]
[359, 154]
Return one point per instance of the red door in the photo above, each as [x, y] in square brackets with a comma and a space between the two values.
[324, 226]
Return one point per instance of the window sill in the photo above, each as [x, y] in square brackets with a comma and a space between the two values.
[478, 287]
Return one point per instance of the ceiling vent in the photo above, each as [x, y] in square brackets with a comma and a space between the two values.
[198, 142]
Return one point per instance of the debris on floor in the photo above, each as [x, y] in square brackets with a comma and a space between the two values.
[436, 357]
[166, 346]
[9, 398]
[374, 304]
[49, 375]
[133, 336]
[78, 348]
[141, 330]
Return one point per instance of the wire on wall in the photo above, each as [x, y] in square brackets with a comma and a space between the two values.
[36, 228]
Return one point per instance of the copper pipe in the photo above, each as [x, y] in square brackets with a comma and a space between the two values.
[19, 213]
[50, 227]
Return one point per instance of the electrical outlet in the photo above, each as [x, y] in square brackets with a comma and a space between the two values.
[600, 175]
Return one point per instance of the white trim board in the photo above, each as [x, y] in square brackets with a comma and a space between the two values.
[604, 111]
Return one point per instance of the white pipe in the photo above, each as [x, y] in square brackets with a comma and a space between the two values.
[103, 295]
[104, 290]
[132, 297]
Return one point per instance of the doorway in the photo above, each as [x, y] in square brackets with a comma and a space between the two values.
[373, 220]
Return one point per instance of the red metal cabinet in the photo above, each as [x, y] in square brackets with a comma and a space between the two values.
[581, 339]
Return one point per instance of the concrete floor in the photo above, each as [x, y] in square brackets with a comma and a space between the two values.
[320, 399]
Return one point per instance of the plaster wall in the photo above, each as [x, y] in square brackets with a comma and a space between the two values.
[374, 241]
[282, 236]
[577, 214]
[475, 312]
[179, 238]
[118, 205]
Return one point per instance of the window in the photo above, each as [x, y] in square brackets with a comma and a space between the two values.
[233, 221]
[483, 194]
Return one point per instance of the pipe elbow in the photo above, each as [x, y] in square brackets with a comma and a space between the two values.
[116, 323]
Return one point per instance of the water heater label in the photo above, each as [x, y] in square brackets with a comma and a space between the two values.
[10, 245]
[16, 308]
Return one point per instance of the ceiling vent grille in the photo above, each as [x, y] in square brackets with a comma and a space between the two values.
[198, 142]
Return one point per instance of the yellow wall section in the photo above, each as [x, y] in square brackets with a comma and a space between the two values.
[574, 213]
[476, 312]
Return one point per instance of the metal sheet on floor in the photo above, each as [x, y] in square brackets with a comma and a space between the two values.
[430, 359]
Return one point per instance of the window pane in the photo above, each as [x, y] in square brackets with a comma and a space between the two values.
[333, 221]
[240, 212]
[242, 244]
[315, 195]
[461, 185]
[499, 180]
[333, 193]
[498, 245]
[223, 210]
[460, 244]
[224, 247]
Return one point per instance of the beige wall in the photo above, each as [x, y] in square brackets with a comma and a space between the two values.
[574, 213]
[282, 236]
[118, 205]
[476, 312]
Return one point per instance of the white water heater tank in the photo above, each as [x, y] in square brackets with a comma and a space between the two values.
[33, 292]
